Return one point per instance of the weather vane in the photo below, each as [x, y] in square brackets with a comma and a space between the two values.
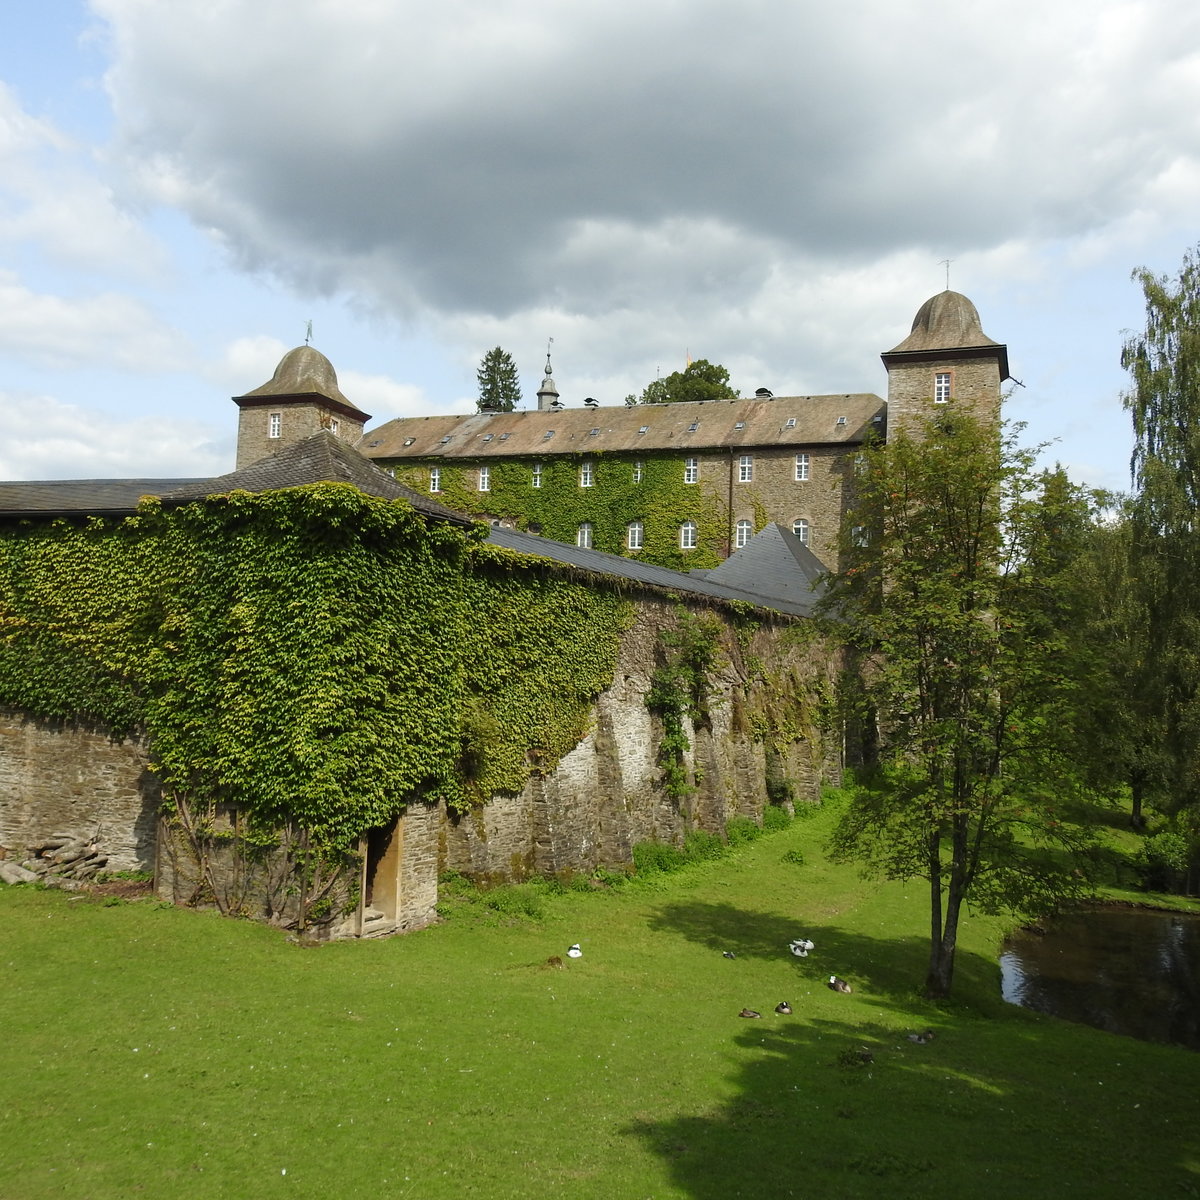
[945, 262]
[308, 333]
[549, 343]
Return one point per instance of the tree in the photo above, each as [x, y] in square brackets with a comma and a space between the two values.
[956, 605]
[499, 385]
[700, 380]
[1163, 362]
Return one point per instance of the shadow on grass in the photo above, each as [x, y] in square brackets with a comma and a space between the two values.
[838, 1101]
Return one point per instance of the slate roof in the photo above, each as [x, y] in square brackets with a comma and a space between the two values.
[302, 374]
[320, 458]
[793, 593]
[75, 497]
[775, 563]
[725, 424]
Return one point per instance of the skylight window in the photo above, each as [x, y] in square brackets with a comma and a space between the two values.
[504, 437]
[739, 425]
[643, 429]
[693, 427]
[593, 432]
[487, 437]
[790, 423]
[447, 438]
[547, 435]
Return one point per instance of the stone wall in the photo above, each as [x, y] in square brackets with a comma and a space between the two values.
[59, 779]
[606, 794]
[975, 383]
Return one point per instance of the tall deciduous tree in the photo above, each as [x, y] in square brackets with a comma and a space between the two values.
[957, 604]
[700, 380]
[1163, 362]
[499, 384]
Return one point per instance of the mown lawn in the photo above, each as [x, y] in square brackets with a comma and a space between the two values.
[150, 1051]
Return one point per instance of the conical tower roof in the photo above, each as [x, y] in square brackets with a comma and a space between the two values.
[303, 373]
[947, 325]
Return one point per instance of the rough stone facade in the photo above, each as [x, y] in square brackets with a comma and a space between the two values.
[265, 429]
[606, 794]
[974, 382]
[63, 780]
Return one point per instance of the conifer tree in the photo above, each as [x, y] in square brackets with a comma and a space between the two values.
[499, 384]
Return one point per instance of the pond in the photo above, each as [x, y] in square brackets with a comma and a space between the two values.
[1134, 971]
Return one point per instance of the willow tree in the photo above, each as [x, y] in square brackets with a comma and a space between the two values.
[958, 604]
[1163, 399]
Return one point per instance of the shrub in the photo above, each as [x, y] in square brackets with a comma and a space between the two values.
[651, 858]
[775, 818]
[1163, 861]
[700, 846]
[741, 831]
[795, 857]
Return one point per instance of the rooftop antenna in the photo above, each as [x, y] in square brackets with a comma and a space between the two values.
[307, 332]
[945, 262]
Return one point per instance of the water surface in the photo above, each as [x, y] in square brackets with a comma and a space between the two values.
[1134, 971]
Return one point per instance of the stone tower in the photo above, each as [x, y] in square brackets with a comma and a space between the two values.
[300, 399]
[946, 359]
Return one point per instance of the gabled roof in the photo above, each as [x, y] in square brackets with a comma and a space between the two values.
[789, 592]
[76, 497]
[320, 458]
[775, 562]
[759, 422]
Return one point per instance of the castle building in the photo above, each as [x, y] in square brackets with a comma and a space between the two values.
[682, 485]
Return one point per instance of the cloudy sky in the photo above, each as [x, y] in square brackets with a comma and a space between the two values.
[771, 185]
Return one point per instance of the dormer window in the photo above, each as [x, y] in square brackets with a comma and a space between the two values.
[644, 429]
[547, 435]
[275, 425]
[447, 438]
[841, 421]
[693, 427]
[790, 423]
[407, 442]
[739, 425]
[487, 437]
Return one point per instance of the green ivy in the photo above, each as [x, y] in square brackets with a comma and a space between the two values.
[315, 658]
[556, 509]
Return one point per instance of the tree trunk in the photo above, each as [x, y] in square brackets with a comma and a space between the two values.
[1137, 818]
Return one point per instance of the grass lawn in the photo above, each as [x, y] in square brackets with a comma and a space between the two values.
[152, 1051]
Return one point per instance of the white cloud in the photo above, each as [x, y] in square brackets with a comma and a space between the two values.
[107, 329]
[53, 195]
[47, 439]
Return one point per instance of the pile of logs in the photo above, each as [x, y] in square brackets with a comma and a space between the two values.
[60, 860]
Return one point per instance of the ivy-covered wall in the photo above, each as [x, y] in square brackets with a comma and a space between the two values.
[306, 665]
[617, 496]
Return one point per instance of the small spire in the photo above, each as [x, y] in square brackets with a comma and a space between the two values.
[549, 343]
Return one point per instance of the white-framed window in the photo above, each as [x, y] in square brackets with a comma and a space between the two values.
[435, 479]
[858, 535]
[691, 470]
[583, 536]
[742, 533]
[275, 425]
[745, 468]
[687, 535]
[587, 473]
[800, 529]
[536, 478]
[485, 479]
[639, 471]
[334, 426]
[634, 535]
[942, 381]
[801, 467]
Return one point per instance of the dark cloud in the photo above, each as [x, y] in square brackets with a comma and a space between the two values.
[471, 157]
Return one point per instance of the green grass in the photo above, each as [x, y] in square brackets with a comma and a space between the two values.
[150, 1051]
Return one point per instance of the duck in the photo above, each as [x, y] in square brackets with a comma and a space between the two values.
[783, 1008]
[749, 1012]
[801, 946]
[839, 985]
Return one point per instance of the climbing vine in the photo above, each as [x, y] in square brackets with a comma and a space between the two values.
[314, 659]
[617, 497]
[679, 692]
